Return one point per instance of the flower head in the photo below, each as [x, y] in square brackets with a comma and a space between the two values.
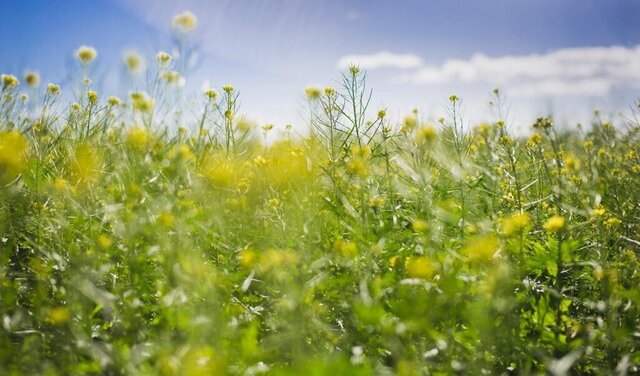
[312, 93]
[163, 59]
[555, 224]
[9, 81]
[32, 79]
[53, 89]
[92, 96]
[135, 63]
[185, 22]
[86, 54]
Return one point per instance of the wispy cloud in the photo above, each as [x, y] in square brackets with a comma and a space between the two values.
[382, 59]
[589, 71]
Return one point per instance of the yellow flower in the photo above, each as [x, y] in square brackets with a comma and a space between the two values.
[481, 248]
[185, 22]
[409, 123]
[134, 62]
[426, 134]
[53, 89]
[92, 96]
[211, 94]
[420, 267]
[104, 241]
[598, 211]
[9, 81]
[166, 219]
[420, 225]
[171, 77]
[346, 248]
[13, 148]
[376, 202]
[114, 101]
[163, 59]
[274, 203]
[138, 138]
[141, 101]
[32, 79]
[312, 93]
[515, 223]
[58, 315]
[86, 54]
[247, 257]
[555, 224]
[86, 164]
[611, 222]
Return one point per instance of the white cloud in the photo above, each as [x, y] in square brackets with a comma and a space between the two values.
[382, 59]
[591, 71]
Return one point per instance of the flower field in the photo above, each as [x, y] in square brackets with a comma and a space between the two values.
[136, 239]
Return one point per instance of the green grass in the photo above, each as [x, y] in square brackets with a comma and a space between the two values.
[364, 246]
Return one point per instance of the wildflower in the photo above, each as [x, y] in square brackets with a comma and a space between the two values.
[75, 106]
[505, 140]
[53, 89]
[86, 164]
[312, 93]
[163, 59]
[376, 202]
[211, 94]
[13, 148]
[274, 203]
[185, 22]
[611, 222]
[515, 223]
[420, 225]
[166, 219]
[86, 54]
[534, 140]
[354, 70]
[58, 315]
[426, 134]
[114, 101]
[247, 257]
[409, 123]
[244, 125]
[104, 241]
[170, 77]
[543, 123]
[329, 91]
[555, 224]
[9, 81]
[454, 98]
[481, 248]
[420, 267]
[92, 96]
[138, 138]
[60, 184]
[267, 127]
[346, 247]
[483, 129]
[141, 101]
[32, 79]
[134, 62]
[228, 89]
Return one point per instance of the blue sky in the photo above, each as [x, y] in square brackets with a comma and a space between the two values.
[560, 56]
